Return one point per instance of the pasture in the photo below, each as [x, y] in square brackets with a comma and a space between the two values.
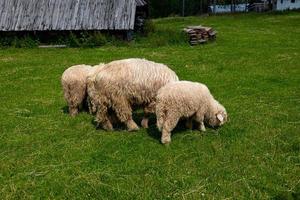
[253, 69]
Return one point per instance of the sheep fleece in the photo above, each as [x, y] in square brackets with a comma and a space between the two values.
[185, 99]
[74, 86]
[129, 82]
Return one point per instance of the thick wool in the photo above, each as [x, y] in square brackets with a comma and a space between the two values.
[190, 100]
[74, 86]
[90, 82]
[124, 83]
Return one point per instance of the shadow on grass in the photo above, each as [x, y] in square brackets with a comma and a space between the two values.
[156, 134]
[84, 109]
[287, 195]
[65, 109]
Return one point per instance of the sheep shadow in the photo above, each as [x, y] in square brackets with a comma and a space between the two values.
[65, 109]
[153, 131]
[117, 125]
[83, 108]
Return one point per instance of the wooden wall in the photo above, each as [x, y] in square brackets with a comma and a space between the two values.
[31, 15]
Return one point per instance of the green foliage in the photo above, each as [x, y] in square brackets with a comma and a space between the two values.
[252, 69]
[73, 41]
[18, 41]
[99, 39]
[149, 27]
[86, 39]
[164, 8]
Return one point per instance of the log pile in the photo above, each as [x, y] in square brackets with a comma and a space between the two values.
[200, 34]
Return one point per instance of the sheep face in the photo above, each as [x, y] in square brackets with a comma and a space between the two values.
[218, 116]
[218, 119]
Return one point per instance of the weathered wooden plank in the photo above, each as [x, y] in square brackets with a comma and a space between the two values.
[17, 15]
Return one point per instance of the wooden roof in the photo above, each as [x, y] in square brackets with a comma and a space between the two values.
[31, 15]
[141, 2]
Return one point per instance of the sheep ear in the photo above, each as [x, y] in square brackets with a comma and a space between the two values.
[220, 117]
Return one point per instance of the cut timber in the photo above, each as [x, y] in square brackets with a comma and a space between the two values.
[200, 34]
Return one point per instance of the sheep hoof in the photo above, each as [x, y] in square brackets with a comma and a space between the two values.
[132, 126]
[73, 112]
[107, 126]
[166, 141]
[144, 123]
[133, 129]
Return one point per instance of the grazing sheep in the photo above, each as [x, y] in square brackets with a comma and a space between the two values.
[74, 86]
[74, 81]
[124, 83]
[185, 99]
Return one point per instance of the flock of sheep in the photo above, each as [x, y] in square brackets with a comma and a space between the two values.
[112, 90]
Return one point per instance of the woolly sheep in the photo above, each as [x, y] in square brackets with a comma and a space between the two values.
[74, 83]
[189, 100]
[124, 83]
[74, 86]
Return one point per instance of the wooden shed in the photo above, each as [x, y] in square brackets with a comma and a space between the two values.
[68, 15]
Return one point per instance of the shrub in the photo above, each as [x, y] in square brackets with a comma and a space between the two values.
[13, 40]
[72, 40]
[149, 27]
[99, 39]
[86, 39]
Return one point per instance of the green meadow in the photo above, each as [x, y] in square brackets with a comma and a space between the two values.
[253, 69]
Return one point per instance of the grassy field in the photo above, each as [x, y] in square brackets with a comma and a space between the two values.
[253, 69]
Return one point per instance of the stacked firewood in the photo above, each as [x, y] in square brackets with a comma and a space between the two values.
[200, 34]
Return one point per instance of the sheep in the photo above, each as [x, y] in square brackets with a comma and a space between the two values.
[187, 100]
[74, 83]
[125, 83]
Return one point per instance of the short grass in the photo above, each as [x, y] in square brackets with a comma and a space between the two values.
[253, 69]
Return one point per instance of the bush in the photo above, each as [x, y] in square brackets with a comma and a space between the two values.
[99, 39]
[72, 40]
[86, 39]
[149, 27]
[27, 42]
[14, 40]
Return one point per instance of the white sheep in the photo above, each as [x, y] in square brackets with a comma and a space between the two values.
[74, 83]
[124, 83]
[189, 100]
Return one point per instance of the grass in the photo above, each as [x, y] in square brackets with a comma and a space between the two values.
[253, 69]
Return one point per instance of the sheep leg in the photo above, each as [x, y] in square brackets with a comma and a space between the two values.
[189, 123]
[89, 102]
[202, 127]
[74, 106]
[73, 110]
[169, 124]
[200, 118]
[123, 111]
[150, 108]
[102, 117]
